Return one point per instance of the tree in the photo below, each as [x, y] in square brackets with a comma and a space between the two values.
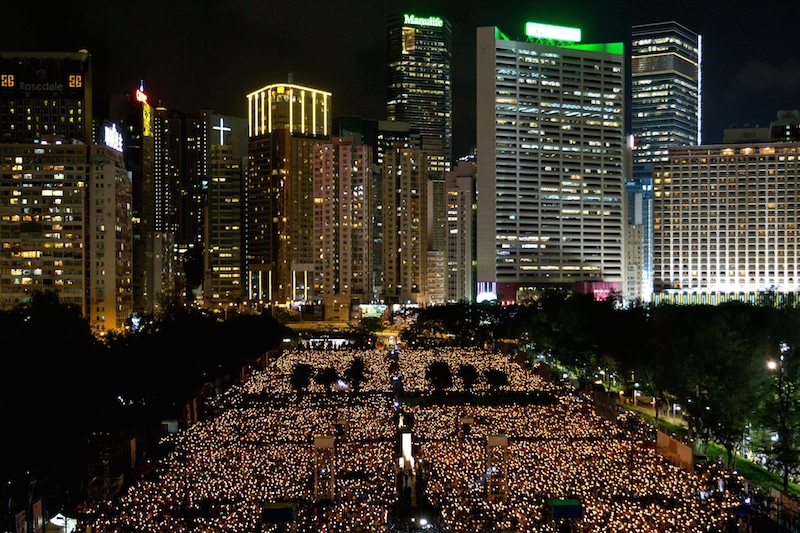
[729, 364]
[438, 373]
[782, 402]
[301, 376]
[355, 373]
[326, 377]
[496, 378]
[468, 375]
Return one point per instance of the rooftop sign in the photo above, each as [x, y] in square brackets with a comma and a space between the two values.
[547, 31]
[432, 22]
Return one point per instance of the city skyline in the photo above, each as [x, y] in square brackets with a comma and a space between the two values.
[212, 58]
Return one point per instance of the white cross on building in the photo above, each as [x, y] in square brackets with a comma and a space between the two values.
[221, 129]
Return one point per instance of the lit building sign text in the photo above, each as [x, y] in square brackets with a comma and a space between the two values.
[432, 22]
[113, 138]
[547, 31]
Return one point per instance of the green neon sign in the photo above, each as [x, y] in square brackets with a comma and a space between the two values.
[548, 31]
[432, 22]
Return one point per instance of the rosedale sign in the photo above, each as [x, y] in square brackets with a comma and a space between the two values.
[433, 22]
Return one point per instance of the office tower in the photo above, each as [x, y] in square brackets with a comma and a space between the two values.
[180, 177]
[550, 163]
[44, 94]
[666, 110]
[66, 227]
[109, 236]
[666, 75]
[153, 275]
[460, 242]
[285, 122]
[725, 222]
[342, 227]
[405, 187]
[198, 135]
[419, 84]
[224, 217]
[381, 136]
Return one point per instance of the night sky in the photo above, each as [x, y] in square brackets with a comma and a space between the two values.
[211, 53]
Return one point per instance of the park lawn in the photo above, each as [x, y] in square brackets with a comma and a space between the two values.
[753, 473]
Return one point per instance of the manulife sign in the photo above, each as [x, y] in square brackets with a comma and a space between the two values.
[432, 22]
[548, 31]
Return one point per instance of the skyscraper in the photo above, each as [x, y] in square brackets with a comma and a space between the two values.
[550, 147]
[460, 189]
[666, 76]
[342, 226]
[45, 93]
[65, 201]
[285, 122]
[49, 230]
[224, 212]
[153, 279]
[381, 136]
[109, 303]
[666, 110]
[405, 228]
[419, 84]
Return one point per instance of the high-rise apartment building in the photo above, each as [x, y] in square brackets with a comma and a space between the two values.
[109, 248]
[405, 228]
[419, 84]
[43, 212]
[666, 110]
[381, 136]
[726, 221]
[285, 122]
[460, 241]
[44, 94]
[550, 145]
[65, 202]
[343, 227]
[65, 227]
[437, 238]
[224, 212]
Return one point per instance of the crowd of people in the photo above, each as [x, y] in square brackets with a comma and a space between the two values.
[259, 450]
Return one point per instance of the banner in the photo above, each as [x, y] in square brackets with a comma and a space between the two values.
[38, 516]
[21, 522]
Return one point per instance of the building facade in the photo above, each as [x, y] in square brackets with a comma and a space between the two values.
[726, 220]
[343, 227]
[405, 228]
[460, 242]
[550, 145]
[65, 227]
[44, 94]
[381, 136]
[666, 110]
[419, 83]
[666, 89]
[153, 280]
[109, 247]
[285, 122]
[224, 212]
